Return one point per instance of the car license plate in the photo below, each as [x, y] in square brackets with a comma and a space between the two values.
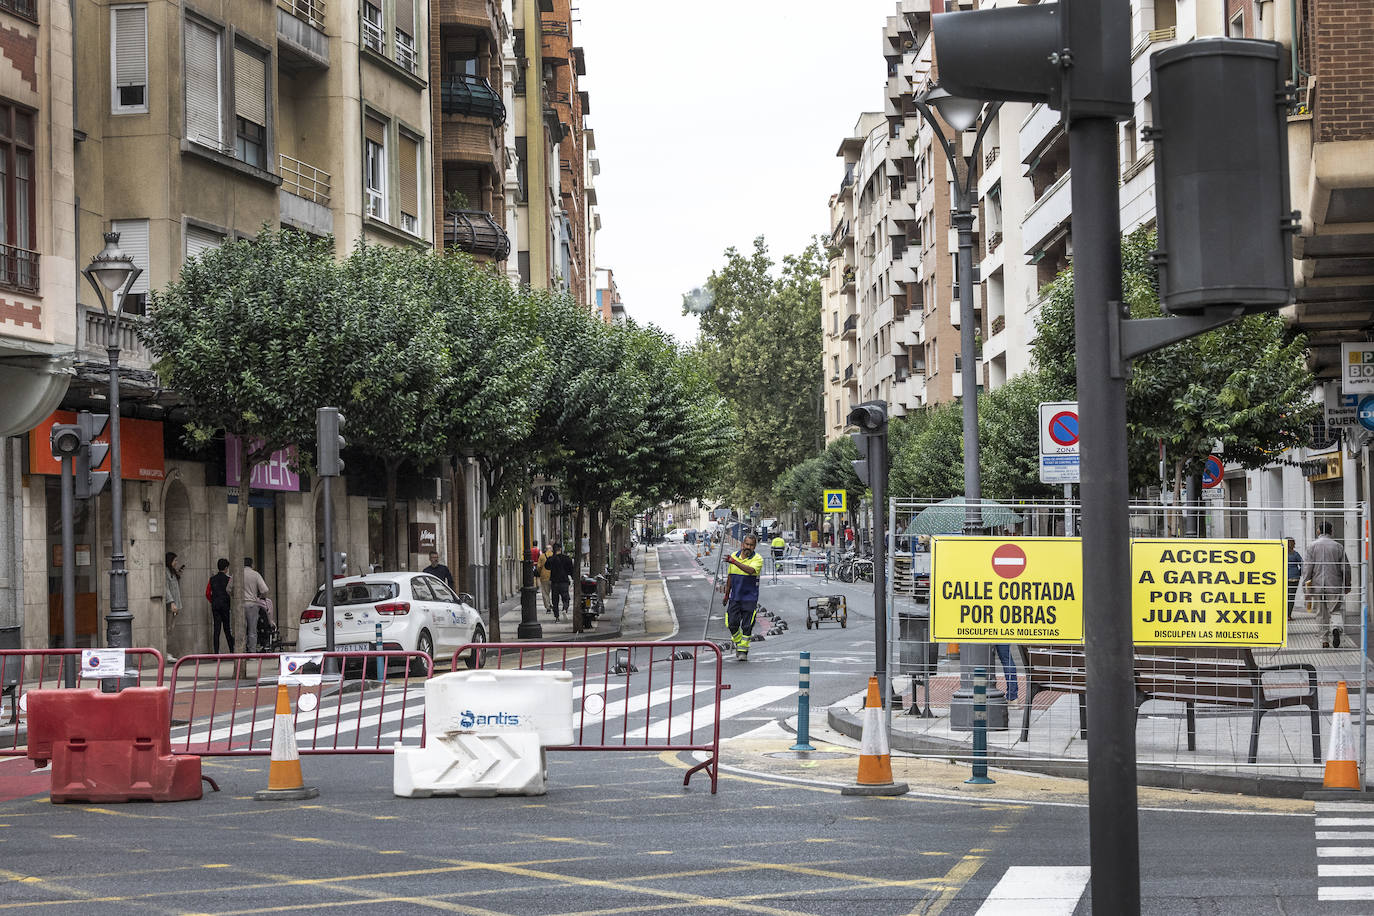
[353, 647]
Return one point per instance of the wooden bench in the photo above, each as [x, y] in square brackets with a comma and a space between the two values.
[1224, 676]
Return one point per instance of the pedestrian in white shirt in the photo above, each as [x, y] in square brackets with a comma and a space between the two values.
[254, 597]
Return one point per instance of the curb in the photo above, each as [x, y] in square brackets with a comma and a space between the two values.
[844, 722]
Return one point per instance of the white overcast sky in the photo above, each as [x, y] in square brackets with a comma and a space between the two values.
[718, 121]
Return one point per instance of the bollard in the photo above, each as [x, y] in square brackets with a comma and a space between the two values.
[381, 662]
[980, 730]
[804, 705]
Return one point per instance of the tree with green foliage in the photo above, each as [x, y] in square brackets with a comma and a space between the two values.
[254, 335]
[1009, 438]
[761, 337]
[930, 460]
[1245, 383]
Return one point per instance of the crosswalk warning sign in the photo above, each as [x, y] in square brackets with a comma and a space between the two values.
[834, 501]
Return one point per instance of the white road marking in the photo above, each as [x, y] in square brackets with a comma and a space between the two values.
[1344, 852]
[1037, 891]
[1345, 822]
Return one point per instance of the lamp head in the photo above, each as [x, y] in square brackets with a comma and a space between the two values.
[959, 113]
[698, 301]
[110, 270]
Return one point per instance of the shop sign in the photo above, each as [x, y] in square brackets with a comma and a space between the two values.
[273, 474]
[424, 537]
[140, 447]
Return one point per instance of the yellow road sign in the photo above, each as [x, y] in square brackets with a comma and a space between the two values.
[834, 501]
[1012, 590]
[1209, 592]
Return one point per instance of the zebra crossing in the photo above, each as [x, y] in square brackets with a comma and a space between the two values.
[380, 720]
[1345, 851]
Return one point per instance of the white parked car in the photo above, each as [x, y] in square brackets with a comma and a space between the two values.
[418, 613]
[676, 536]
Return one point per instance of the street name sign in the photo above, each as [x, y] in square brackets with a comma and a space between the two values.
[1357, 368]
[1059, 442]
[1214, 592]
[835, 501]
[1006, 590]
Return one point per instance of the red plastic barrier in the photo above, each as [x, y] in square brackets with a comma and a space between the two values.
[110, 747]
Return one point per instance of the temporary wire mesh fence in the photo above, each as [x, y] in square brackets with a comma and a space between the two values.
[1240, 708]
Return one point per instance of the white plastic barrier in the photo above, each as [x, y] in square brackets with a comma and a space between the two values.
[485, 734]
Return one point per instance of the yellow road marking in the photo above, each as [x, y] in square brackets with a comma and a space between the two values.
[953, 882]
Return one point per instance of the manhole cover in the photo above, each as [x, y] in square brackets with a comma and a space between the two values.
[809, 755]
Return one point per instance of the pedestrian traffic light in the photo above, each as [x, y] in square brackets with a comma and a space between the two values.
[1220, 136]
[88, 480]
[1077, 60]
[329, 441]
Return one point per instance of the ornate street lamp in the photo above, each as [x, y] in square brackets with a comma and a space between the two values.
[112, 273]
[961, 114]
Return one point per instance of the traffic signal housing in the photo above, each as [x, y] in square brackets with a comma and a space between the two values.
[871, 439]
[1220, 138]
[65, 439]
[1077, 60]
[88, 480]
[329, 441]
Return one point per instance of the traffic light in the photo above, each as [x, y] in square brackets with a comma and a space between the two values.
[1076, 61]
[871, 419]
[1220, 138]
[329, 441]
[66, 440]
[861, 441]
[88, 480]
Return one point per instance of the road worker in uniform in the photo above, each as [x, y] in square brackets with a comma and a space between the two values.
[742, 594]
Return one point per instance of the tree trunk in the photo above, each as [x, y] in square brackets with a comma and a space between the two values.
[493, 585]
[456, 558]
[237, 537]
[577, 572]
[389, 555]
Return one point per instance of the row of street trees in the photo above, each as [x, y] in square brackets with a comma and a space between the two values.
[433, 357]
[1246, 384]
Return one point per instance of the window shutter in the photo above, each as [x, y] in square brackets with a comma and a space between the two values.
[375, 131]
[410, 178]
[199, 241]
[250, 87]
[202, 85]
[133, 241]
[131, 45]
[405, 16]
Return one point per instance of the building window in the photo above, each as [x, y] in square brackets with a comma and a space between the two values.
[128, 59]
[405, 51]
[133, 241]
[250, 107]
[200, 240]
[409, 183]
[204, 117]
[374, 167]
[374, 34]
[1129, 153]
[18, 260]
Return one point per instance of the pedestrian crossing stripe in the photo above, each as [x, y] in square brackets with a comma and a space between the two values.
[1333, 876]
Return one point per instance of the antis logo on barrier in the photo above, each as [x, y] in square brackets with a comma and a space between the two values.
[468, 719]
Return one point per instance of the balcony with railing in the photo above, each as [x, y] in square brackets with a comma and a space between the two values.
[476, 232]
[18, 269]
[100, 334]
[554, 29]
[305, 196]
[851, 325]
[302, 42]
[849, 376]
[473, 96]
[470, 14]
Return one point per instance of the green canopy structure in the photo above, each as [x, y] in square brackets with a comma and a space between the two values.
[947, 517]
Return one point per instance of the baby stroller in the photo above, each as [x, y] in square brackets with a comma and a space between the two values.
[268, 636]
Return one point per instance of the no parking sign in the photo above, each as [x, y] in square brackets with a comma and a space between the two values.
[1059, 442]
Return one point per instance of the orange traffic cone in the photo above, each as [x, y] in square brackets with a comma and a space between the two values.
[1341, 770]
[951, 650]
[285, 782]
[875, 761]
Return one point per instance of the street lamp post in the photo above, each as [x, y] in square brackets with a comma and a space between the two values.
[961, 114]
[529, 628]
[111, 274]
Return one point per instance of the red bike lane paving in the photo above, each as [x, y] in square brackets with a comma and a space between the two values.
[18, 779]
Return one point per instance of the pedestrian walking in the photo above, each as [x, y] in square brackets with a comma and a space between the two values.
[849, 536]
[171, 590]
[1008, 671]
[1327, 574]
[742, 594]
[438, 570]
[829, 532]
[542, 569]
[254, 592]
[1294, 574]
[217, 593]
[560, 567]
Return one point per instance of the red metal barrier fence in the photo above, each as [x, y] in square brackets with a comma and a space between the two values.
[632, 696]
[22, 670]
[224, 705]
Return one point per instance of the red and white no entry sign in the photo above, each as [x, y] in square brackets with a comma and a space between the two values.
[1009, 561]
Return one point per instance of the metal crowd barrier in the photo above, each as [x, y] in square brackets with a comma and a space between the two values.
[22, 670]
[224, 705]
[633, 696]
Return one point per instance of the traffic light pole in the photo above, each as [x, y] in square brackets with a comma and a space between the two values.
[68, 570]
[1113, 821]
[119, 623]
